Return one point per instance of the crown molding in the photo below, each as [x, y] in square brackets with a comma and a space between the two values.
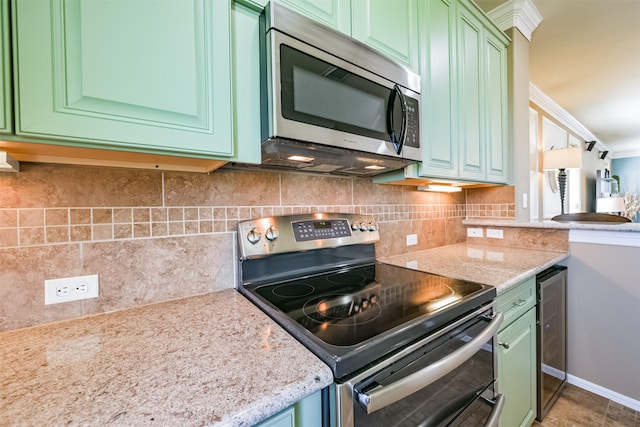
[521, 14]
[553, 109]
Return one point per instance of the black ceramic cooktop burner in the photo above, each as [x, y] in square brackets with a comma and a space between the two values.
[352, 305]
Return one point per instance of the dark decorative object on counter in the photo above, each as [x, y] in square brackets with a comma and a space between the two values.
[591, 218]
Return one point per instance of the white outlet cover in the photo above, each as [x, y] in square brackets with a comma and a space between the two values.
[474, 232]
[412, 239]
[80, 287]
[495, 233]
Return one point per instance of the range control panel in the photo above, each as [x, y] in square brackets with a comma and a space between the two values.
[321, 229]
[294, 233]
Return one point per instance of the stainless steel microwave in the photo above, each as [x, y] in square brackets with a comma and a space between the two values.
[332, 104]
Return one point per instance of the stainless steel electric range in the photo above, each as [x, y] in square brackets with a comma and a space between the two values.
[406, 347]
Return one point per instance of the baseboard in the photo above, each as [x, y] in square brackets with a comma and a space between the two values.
[604, 392]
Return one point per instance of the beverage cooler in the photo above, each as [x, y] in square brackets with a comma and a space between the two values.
[552, 336]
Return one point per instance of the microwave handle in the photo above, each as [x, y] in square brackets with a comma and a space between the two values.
[397, 142]
[382, 396]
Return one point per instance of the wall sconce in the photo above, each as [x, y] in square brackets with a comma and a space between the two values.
[590, 145]
[439, 188]
[562, 159]
[8, 163]
[603, 154]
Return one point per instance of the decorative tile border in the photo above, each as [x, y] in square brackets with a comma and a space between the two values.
[495, 210]
[47, 226]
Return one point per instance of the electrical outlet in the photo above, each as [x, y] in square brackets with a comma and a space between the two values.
[494, 233]
[474, 232]
[412, 239]
[71, 289]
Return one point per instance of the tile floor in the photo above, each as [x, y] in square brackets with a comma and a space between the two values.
[577, 407]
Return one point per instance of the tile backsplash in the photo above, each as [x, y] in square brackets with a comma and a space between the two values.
[154, 236]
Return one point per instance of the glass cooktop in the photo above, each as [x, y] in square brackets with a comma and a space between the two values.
[349, 306]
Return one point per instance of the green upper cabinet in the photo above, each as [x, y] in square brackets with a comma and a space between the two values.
[463, 70]
[126, 75]
[438, 108]
[332, 13]
[6, 108]
[390, 27]
[482, 97]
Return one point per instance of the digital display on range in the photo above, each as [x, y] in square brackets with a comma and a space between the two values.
[320, 229]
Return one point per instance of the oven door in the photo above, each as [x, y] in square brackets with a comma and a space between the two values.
[445, 379]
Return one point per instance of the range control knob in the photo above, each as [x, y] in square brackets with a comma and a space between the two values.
[355, 226]
[373, 226]
[254, 236]
[373, 299]
[364, 303]
[272, 233]
[363, 227]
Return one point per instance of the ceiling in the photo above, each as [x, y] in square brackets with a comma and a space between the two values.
[585, 55]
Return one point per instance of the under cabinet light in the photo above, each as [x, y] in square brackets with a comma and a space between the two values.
[440, 188]
[8, 163]
[301, 159]
[374, 167]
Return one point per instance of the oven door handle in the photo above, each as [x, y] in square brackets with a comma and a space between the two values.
[381, 396]
[494, 416]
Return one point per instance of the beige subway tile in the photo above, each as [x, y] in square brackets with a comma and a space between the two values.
[191, 227]
[102, 216]
[56, 216]
[80, 233]
[159, 214]
[39, 185]
[220, 213]
[220, 226]
[176, 214]
[191, 214]
[141, 230]
[176, 228]
[30, 236]
[102, 232]
[206, 226]
[122, 215]
[8, 237]
[232, 213]
[26, 269]
[204, 213]
[56, 234]
[141, 215]
[31, 217]
[232, 225]
[222, 188]
[159, 229]
[244, 213]
[122, 231]
[80, 216]
[255, 212]
[183, 266]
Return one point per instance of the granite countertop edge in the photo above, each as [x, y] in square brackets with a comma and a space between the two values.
[628, 226]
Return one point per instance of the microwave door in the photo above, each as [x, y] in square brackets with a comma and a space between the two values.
[397, 119]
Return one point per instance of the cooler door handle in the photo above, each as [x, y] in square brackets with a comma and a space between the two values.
[381, 396]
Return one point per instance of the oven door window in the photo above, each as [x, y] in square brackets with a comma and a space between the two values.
[318, 93]
[447, 401]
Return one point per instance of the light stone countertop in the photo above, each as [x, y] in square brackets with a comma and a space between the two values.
[624, 226]
[203, 360]
[497, 266]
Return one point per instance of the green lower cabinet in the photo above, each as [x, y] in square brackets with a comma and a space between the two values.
[517, 370]
[305, 413]
[125, 75]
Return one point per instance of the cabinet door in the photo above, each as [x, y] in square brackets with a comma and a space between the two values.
[517, 371]
[332, 13]
[388, 26]
[495, 103]
[6, 121]
[438, 71]
[470, 95]
[128, 75]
